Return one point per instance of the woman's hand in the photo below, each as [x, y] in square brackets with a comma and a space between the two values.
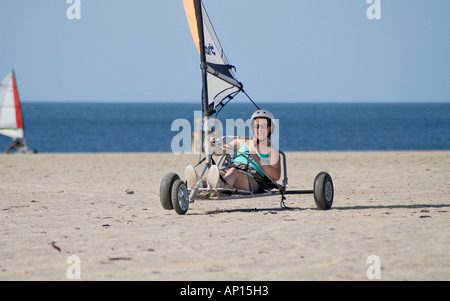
[223, 147]
[255, 158]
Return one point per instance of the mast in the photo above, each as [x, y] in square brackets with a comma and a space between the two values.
[204, 68]
[203, 65]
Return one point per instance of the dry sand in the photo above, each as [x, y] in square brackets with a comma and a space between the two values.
[105, 209]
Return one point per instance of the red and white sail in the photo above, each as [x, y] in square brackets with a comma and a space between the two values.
[11, 122]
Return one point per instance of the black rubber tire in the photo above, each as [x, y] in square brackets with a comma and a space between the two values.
[165, 190]
[323, 191]
[180, 197]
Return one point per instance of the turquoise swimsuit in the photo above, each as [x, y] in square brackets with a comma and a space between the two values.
[240, 159]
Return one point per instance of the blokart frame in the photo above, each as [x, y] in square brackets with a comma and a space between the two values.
[174, 193]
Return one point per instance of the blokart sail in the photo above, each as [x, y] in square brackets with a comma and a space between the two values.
[11, 121]
[219, 81]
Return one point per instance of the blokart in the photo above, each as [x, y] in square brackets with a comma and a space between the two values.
[220, 86]
[174, 193]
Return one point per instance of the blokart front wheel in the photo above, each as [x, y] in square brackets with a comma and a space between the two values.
[323, 191]
[165, 190]
[180, 197]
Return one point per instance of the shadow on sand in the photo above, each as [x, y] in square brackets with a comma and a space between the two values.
[276, 210]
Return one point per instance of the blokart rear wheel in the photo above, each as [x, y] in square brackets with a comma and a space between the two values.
[180, 197]
[165, 190]
[323, 191]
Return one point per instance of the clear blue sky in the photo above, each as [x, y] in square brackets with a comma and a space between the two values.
[286, 50]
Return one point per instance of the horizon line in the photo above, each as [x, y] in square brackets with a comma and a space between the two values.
[240, 102]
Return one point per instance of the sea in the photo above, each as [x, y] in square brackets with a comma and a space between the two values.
[152, 127]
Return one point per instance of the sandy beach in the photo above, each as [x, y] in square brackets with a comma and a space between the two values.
[104, 208]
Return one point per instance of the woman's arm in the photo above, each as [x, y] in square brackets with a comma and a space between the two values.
[228, 148]
[273, 168]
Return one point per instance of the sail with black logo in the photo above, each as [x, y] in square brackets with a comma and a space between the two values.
[220, 84]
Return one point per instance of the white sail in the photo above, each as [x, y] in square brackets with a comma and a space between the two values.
[221, 80]
[11, 122]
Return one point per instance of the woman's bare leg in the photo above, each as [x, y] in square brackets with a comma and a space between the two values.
[236, 178]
